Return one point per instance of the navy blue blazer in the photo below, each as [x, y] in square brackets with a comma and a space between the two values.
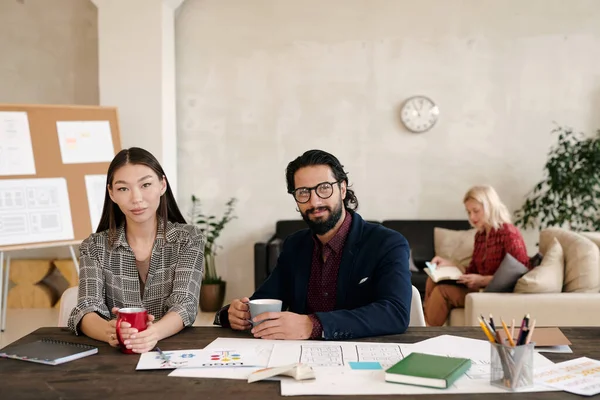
[373, 287]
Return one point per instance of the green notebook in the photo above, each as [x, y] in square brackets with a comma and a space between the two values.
[427, 370]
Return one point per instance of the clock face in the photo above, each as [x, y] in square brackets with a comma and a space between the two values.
[419, 114]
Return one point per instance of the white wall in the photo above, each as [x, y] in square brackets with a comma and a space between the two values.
[261, 81]
[48, 52]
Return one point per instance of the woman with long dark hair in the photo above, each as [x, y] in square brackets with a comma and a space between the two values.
[142, 255]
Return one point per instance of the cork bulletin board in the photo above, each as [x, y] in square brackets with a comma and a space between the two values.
[49, 161]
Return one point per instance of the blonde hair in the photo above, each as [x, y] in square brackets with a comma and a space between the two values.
[496, 213]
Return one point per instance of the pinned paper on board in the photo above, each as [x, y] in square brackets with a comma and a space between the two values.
[95, 186]
[85, 141]
[16, 151]
[34, 210]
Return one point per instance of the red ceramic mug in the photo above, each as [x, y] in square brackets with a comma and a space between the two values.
[136, 317]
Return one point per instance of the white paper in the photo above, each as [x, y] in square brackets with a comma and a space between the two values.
[344, 381]
[16, 152]
[580, 376]
[95, 186]
[262, 349]
[34, 210]
[85, 141]
[335, 355]
[217, 358]
[554, 349]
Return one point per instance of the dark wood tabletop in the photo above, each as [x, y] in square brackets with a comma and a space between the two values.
[112, 375]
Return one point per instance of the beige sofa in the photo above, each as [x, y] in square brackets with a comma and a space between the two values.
[574, 303]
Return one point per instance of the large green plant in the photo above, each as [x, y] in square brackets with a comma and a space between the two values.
[212, 227]
[569, 193]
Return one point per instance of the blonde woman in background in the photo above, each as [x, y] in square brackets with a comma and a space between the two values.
[496, 236]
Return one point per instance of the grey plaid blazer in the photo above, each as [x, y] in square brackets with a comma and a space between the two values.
[108, 276]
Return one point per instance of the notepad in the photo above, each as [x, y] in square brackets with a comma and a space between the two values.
[428, 370]
[48, 351]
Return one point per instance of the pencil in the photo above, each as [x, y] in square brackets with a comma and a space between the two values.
[512, 329]
[530, 335]
[486, 331]
[508, 336]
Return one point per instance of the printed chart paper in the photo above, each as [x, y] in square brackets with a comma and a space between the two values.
[262, 349]
[16, 152]
[95, 186]
[217, 358]
[85, 141]
[34, 210]
[580, 376]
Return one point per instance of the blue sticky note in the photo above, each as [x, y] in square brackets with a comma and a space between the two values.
[365, 365]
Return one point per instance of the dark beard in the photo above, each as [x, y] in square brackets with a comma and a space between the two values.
[323, 226]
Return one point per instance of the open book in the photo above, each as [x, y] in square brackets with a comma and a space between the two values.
[445, 273]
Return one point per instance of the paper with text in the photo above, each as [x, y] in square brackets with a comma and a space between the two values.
[216, 358]
[261, 348]
[95, 186]
[580, 376]
[85, 141]
[16, 151]
[34, 210]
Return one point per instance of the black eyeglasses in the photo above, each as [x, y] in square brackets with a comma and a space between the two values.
[324, 190]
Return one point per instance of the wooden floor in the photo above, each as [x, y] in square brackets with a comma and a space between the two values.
[20, 322]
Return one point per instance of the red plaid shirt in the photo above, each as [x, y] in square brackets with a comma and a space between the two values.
[491, 248]
[322, 285]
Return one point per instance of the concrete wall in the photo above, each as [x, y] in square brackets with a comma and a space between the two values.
[261, 81]
[48, 52]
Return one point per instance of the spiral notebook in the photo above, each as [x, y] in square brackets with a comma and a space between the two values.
[48, 351]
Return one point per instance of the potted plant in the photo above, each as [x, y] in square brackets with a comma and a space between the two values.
[569, 193]
[212, 293]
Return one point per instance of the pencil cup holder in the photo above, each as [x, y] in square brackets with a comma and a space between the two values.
[511, 367]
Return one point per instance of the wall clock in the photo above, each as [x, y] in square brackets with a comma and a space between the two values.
[419, 114]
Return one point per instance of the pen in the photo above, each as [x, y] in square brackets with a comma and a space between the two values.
[492, 323]
[530, 334]
[162, 355]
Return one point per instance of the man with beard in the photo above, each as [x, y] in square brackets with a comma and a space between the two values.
[342, 278]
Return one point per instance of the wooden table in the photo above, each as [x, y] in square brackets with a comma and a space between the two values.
[112, 375]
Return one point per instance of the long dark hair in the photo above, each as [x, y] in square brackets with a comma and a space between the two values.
[320, 157]
[112, 216]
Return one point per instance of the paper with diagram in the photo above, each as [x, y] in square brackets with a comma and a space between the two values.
[34, 210]
[261, 348]
[333, 379]
[16, 151]
[95, 186]
[85, 141]
[217, 358]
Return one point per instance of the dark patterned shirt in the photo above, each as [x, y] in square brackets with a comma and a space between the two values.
[322, 285]
[108, 276]
[490, 249]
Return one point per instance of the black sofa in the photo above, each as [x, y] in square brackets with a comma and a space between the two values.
[419, 234]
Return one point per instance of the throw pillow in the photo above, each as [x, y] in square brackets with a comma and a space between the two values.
[454, 245]
[548, 276]
[507, 275]
[582, 259]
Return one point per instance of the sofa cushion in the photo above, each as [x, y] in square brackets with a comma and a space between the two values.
[582, 259]
[593, 236]
[548, 276]
[507, 275]
[454, 245]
